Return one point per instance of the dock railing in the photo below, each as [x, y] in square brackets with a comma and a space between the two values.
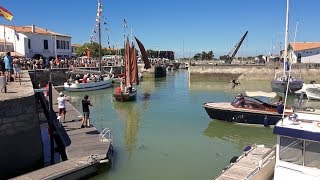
[265, 159]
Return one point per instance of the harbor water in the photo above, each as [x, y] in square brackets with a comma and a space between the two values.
[167, 134]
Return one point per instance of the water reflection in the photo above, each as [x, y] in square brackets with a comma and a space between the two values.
[239, 135]
[130, 113]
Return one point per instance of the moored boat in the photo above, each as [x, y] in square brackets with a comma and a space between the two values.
[279, 84]
[249, 109]
[126, 91]
[313, 93]
[100, 83]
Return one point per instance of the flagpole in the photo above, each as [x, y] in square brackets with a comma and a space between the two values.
[15, 47]
[99, 31]
[4, 37]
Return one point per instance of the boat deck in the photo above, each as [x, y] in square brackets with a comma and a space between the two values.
[84, 154]
[228, 106]
[245, 165]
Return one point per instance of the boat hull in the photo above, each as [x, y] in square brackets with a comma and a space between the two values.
[77, 87]
[313, 93]
[132, 96]
[281, 86]
[254, 117]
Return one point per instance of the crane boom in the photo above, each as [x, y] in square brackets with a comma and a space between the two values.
[235, 49]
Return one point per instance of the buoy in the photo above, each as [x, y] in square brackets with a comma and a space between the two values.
[234, 159]
[247, 148]
[266, 122]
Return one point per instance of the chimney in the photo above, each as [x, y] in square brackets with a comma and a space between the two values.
[33, 28]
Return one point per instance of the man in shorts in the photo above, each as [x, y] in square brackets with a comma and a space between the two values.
[8, 66]
[86, 112]
[62, 106]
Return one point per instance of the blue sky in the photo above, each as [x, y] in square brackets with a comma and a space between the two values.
[200, 25]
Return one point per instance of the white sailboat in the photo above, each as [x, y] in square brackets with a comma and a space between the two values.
[282, 81]
[99, 80]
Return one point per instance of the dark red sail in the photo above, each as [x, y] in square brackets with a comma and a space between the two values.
[144, 55]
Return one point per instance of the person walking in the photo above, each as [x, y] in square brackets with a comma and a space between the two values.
[62, 106]
[17, 69]
[8, 66]
[86, 112]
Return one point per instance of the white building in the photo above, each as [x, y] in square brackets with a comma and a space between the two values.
[74, 48]
[27, 41]
[308, 51]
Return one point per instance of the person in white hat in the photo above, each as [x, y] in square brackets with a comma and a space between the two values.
[62, 106]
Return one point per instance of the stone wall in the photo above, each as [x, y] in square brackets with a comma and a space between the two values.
[20, 135]
[248, 72]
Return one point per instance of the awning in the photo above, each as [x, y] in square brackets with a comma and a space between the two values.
[261, 93]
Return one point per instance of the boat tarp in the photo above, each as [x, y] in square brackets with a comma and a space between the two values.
[261, 93]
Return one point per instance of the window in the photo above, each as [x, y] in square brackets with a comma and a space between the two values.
[58, 44]
[45, 44]
[67, 44]
[29, 43]
[291, 150]
[312, 156]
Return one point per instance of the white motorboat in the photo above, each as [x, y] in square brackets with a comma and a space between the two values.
[298, 147]
[90, 85]
[305, 86]
[297, 152]
[313, 93]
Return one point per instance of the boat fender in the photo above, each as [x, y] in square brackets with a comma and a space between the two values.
[266, 122]
[234, 159]
[247, 148]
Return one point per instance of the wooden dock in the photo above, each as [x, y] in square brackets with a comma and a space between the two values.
[87, 151]
[247, 165]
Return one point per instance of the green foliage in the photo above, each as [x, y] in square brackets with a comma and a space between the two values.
[204, 56]
[94, 49]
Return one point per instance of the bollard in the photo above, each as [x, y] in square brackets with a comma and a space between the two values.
[3, 84]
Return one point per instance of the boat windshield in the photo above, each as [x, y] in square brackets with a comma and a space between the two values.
[301, 152]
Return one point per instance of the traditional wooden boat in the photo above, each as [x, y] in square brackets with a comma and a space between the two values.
[249, 109]
[126, 91]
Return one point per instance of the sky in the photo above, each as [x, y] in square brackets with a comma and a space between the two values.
[183, 26]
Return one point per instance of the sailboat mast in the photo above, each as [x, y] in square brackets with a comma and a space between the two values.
[286, 39]
[99, 31]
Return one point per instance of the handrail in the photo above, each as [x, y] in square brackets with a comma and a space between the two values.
[262, 162]
[103, 138]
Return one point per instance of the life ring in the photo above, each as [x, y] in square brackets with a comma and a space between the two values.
[318, 124]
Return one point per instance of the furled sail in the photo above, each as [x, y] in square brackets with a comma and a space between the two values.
[134, 65]
[127, 64]
[144, 55]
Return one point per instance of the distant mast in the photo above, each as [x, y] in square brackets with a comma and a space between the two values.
[99, 31]
[286, 39]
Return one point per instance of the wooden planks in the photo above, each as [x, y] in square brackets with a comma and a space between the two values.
[84, 153]
[245, 165]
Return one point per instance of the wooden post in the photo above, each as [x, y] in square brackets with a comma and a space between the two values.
[51, 124]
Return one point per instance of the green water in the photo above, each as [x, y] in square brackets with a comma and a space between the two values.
[167, 134]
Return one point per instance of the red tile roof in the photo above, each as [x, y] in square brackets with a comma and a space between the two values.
[38, 30]
[300, 46]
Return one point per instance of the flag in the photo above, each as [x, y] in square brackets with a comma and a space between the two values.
[17, 35]
[125, 23]
[5, 13]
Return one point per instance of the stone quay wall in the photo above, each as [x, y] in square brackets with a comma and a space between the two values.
[246, 72]
[20, 136]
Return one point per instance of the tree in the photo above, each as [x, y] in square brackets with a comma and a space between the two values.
[94, 50]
